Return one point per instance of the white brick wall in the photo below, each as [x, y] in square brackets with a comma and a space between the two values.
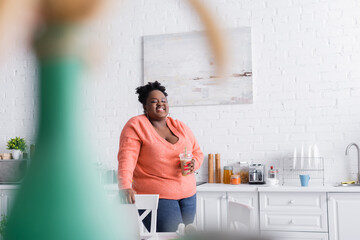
[306, 58]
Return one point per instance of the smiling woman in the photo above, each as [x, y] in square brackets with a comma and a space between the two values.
[149, 161]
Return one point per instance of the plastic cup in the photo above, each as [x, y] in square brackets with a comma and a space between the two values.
[304, 180]
[185, 159]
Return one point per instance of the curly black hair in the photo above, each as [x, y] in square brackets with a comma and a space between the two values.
[144, 91]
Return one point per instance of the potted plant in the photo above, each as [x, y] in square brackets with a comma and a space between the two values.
[17, 145]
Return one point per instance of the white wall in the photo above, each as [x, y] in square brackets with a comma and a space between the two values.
[306, 58]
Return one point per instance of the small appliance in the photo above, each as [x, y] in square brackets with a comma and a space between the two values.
[257, 173]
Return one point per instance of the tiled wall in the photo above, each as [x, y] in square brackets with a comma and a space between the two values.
[306, 71]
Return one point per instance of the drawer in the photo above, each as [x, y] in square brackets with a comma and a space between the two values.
[293, 201]
[295, 235]
[290, 221]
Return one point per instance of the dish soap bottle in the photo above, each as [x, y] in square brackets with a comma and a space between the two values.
[273, 176]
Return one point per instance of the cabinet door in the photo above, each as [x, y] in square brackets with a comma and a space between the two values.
[2, 199]
[7, 200]
[344, 212]
[211, 210]
[250, 199]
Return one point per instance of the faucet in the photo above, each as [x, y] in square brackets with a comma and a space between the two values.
[358, 151]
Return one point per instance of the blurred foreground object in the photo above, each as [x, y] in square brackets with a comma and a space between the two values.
[60, 197]
[214, 34]
[69, 11]
[17, 20]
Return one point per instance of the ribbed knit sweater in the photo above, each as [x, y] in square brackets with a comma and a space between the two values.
[151, 165]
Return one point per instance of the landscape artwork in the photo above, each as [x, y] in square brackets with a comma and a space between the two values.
[184, 64]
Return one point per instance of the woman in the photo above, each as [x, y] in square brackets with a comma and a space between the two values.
[149, 161]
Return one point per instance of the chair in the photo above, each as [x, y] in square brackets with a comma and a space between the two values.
[240, 217]
[128, 213]
[149, 203]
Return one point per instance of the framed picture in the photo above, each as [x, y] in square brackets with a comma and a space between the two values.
[184, 64]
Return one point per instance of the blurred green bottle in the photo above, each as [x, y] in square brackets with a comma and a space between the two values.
[60, 198]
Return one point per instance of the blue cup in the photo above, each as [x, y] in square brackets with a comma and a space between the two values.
[304, 179]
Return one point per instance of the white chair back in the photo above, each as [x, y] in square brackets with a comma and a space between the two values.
[128, 213]
[149, 203]
[240, 217]
[129, 217]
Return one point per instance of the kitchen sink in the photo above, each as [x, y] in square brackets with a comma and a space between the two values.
[12, 171]
[349, 185]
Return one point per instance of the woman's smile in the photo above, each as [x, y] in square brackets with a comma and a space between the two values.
[160, 109]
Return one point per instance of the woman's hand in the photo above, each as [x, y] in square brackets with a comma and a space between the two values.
[191, 166]
[127, 195]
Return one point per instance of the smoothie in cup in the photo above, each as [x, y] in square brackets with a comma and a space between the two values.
[185, 158]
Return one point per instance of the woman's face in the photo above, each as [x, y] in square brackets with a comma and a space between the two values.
[156, 105]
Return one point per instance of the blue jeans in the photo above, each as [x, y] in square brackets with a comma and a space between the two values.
[172, 212]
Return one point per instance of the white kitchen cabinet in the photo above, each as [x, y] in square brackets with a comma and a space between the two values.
[344, 213]
[7, 200]
[2, 200]
[211, 210]
[250, 199]
[294, 215]
[287, 211]
[296, 235]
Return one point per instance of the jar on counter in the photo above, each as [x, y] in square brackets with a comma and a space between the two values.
[244, 172]
[236, 168]
[228, 171]
[235, 179]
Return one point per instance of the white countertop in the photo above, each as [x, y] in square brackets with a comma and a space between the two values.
[9, 186]
[217, 187]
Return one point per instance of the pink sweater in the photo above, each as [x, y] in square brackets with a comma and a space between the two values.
[150, 164]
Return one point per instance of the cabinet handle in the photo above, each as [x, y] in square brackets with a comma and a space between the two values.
[291, 202]
[291, 221]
